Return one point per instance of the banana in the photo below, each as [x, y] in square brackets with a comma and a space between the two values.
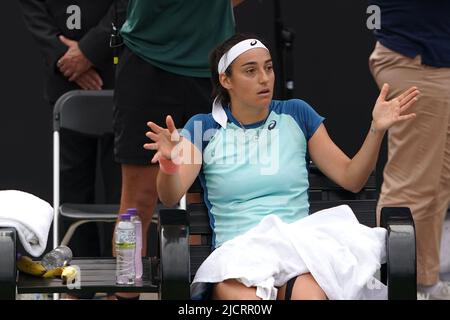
[69, 274]
[56, 272]
[27, 265]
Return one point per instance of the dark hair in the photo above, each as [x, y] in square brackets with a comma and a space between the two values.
[214, 58]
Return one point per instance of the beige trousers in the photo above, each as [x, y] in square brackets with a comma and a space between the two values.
[417, 173]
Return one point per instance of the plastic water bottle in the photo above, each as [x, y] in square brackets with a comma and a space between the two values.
[125, 244]
[138, 253]
[58, 257]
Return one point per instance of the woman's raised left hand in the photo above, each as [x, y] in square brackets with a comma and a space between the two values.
[388, 112]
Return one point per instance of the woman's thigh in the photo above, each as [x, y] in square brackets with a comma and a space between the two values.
[305, 288]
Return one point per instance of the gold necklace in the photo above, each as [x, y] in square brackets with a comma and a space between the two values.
[257, 132]
[242, 126]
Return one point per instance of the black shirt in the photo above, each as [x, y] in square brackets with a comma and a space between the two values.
[47, 19]
[416, 27]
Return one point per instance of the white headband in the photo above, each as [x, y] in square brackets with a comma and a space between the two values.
[236, 51]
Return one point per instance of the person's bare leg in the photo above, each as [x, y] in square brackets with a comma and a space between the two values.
[305, 288]
[232, 289]
[139, 191]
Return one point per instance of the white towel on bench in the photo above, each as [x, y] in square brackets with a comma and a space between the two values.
[29, 215]
[340, 253]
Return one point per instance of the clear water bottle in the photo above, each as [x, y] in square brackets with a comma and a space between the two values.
[58, 257]
[125, 245]
[138, 253]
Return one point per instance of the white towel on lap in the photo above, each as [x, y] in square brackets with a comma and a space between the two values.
[29, 215]
[341, 254]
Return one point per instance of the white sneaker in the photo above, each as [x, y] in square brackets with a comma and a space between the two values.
[440, 291]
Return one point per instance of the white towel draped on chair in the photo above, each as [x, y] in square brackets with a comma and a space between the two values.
[340, 253]
[30, 216]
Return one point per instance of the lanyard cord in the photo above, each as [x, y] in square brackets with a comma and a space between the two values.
[115, 40]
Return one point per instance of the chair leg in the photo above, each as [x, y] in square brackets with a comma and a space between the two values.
[8, 264]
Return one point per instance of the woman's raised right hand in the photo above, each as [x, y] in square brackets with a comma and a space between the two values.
[165, 140]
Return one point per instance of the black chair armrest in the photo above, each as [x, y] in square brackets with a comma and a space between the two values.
[7, 263]
[174, 254]
[400, 271]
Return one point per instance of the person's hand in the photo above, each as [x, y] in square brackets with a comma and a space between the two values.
[165, 140]
[387, 113]
[90, 80]
[73, 63]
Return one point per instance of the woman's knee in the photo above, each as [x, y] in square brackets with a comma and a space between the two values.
[232, 289]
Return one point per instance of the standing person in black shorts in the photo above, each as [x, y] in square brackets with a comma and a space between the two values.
[163, 70]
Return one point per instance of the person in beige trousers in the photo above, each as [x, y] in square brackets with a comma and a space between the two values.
[416, 52]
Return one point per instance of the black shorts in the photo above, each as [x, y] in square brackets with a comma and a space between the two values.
[146, 93]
